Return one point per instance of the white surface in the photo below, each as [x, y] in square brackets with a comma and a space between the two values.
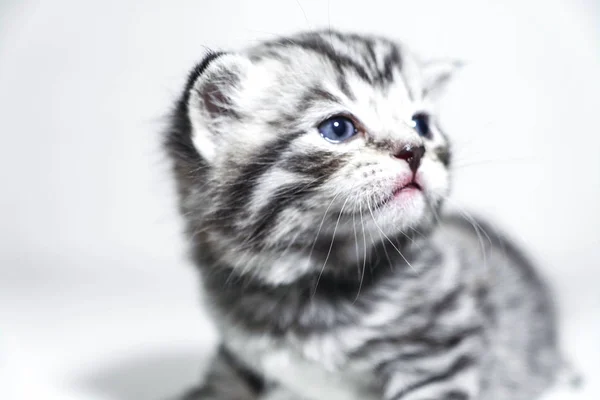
[96, 298]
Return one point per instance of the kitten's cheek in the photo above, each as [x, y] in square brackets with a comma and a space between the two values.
[433, 181]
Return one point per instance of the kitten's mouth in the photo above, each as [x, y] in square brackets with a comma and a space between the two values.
[402, 190]
[410, 186]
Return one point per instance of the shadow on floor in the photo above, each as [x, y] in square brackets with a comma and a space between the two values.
[160, 376]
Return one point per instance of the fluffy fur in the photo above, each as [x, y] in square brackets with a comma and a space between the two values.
[324, 277]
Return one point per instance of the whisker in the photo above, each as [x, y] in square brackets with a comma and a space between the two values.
[478, 229]
[304, 13]
[356, 243]
[321, 226]
[381, 237]
[417, 232]
[330, 246]
[389, 240]
[498, 161]
[362, 276]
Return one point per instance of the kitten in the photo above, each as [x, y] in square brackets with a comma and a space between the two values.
[311, 173]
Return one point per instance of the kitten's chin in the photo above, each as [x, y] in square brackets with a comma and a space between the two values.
[406, 208]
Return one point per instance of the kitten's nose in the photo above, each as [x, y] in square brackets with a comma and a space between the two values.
[412, 155]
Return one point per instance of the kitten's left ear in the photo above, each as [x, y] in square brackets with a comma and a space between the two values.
[436, 75]
[214, 90]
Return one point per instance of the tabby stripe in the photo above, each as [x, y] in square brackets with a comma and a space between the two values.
[455, 368]
[448, 301]
[391, 61]
[312, 44]
[369, 48]
[318, 166]
[238, 192]
[444, 155]
[340, 61]
[361, 46]
[427, 346]
[315, 95]
[281, 200]
[455, 395]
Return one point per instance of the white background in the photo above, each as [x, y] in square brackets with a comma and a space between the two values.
[97, 300]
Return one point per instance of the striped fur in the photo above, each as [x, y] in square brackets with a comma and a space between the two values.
[322, 283]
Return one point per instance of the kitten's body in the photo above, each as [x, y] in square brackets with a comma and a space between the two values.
[325, 279]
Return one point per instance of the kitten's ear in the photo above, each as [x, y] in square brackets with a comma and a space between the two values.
[214, 90]
[436, 75]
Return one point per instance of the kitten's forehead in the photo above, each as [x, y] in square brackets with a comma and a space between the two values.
[370, 75]
[371, 58]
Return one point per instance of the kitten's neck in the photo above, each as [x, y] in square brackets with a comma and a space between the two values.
[318, 300]
[345, 262]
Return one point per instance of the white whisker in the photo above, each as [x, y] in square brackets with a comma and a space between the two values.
[389, 240]
[364, 266]
[330, 246]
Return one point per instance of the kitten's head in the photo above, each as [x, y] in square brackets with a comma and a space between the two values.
[319, 144]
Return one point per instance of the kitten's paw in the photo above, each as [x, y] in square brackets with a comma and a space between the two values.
[568, 386]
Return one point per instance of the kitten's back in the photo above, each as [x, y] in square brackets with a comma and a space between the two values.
[523, 340]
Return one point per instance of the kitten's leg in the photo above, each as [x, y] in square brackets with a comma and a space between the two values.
[458, 389]
[228, 379]
[453, 378]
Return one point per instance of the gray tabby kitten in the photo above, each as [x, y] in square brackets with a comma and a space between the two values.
[311, 172]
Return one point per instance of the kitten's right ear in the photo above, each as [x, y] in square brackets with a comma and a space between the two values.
[436, 75]
[214, 89]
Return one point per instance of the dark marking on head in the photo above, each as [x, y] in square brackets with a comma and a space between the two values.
[391, 61]
[365, 47]
[444, 155]
[369, 47]
[314, 42]
[316, 164]
[311, 98]
[238, 192]
[344, 86]
[315, 95]
[321, 46]
[283, 198]
[381, 145]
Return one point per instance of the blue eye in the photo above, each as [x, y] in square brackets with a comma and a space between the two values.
[337, 129]
[421, 124]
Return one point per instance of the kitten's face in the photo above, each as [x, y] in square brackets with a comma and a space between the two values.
[311, 138]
